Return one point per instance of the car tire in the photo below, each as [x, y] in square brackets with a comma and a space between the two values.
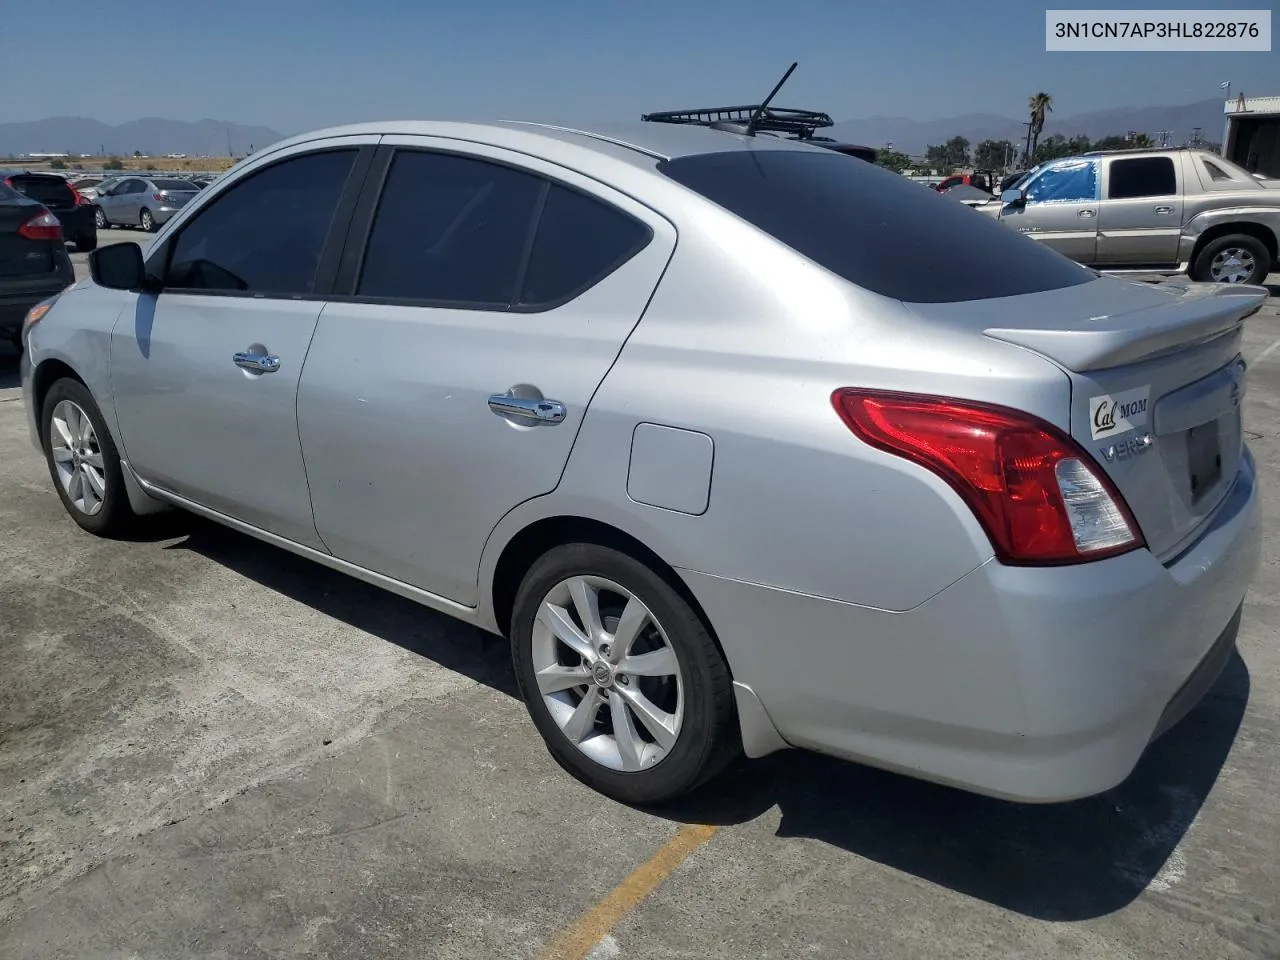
[84, 464]
[147, 221]
[685, 692]
[1237, 255]
[100, 219]
[86, 243]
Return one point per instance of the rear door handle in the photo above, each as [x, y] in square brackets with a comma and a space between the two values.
[527, 408]
[1164, 209]
[257, 362]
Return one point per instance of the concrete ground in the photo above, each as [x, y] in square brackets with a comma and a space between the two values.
[210, 748]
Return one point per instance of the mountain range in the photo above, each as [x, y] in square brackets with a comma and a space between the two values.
[154, 136]
[151, 135]
[914, 136]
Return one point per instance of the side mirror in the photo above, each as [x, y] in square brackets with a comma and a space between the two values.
[119, 266]
[1014, 195]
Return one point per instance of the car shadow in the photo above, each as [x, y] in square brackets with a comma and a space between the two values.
[9, 356]
[464, 649]
[1059, 862]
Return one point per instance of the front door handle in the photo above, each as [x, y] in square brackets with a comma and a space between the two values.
[257, 362]
[1164, 209]
[1086, 214]
[526, 408]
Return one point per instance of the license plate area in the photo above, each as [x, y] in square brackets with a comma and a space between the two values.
[1204, 459]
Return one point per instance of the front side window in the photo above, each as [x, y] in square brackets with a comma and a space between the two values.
[1072, 181]
[1137, 177]
[265, 233]
[449, 229]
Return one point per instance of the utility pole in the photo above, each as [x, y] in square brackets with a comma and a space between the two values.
[1164, 136]
[1195, 137]
[1026, 151]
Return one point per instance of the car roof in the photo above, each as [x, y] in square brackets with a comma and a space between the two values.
[638, 142]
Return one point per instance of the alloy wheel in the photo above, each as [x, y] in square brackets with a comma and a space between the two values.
[608, 673]
[77, 457]
[1232, 265]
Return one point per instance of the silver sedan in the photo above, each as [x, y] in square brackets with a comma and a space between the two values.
[673, 409]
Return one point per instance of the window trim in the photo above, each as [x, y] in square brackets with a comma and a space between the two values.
[360, 232]
[160, 258]
[1111, 165]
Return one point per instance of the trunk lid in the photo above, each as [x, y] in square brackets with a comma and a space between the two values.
[1157, 384]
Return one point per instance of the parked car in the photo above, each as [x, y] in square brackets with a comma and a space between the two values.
[1169, 211]
[33, 259]
[142, 202]
[87, 187]
[979, 180]
[74, 213]
[1011, 514]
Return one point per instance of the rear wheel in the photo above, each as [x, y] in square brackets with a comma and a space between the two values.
[620, 675]
[147, 220]
[1238, 258]
[83, 460]
[100, 219]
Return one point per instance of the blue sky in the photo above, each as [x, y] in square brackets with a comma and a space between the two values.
[295, 66]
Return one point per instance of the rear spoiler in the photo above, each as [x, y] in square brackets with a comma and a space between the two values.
[1197, 313]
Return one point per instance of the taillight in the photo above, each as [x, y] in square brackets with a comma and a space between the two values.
[43, 227]
[76, 199]
[1039, 496]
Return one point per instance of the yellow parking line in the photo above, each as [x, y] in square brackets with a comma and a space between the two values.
[578, 940]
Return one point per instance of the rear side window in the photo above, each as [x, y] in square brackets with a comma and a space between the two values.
[449, 229]
[875, 228]
[186, 185]
[1142, 177]
[265, 233]
[47, 190]
[580, 241]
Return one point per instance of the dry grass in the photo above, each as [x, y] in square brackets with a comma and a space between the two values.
[161, 164]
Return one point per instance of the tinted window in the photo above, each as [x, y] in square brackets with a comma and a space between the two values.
[1215, 171]
[186, 185]
[8, 193]
[1066, 182]
[449, 229]
[1142, 177]
[875, 228]
[265, 233]
[48, 190]
[580, 241]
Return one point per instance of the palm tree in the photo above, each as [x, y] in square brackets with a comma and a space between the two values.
[1039, 104]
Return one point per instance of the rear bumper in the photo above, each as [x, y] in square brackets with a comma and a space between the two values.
[1033, 684]
[164, 213]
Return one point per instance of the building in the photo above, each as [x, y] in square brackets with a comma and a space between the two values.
[1252, 134]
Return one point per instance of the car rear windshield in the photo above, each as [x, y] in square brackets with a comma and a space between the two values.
[8, 193]
[875, 228]
[45, 189]
[186, 185]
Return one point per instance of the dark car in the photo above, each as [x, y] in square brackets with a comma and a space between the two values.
[74, 211]
[33, 259]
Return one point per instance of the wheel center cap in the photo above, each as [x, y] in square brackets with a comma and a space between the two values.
[602, 674]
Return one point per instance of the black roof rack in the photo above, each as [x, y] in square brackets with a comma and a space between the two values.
[798, 123]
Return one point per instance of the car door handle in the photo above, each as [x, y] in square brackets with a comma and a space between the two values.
[527, 408]
[1086, 214]
[257, 362]
[1164, 209]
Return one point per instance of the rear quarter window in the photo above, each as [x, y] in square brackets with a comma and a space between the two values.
[875, 228]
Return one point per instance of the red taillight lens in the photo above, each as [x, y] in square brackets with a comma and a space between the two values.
[159, 197]
[76, 198]
[1038, 495]
[43, 227]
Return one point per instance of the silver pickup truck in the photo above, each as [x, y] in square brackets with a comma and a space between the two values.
[1149, 211]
